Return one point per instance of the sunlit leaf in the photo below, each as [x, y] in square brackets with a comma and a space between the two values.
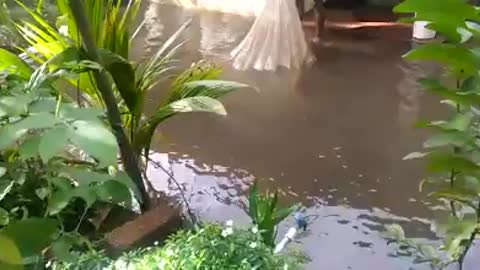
[52, 142]
[14, 64]
[4, 217]
[97, 140]
[11, 133]
[13, 105]
[10, 257]
[5, 187]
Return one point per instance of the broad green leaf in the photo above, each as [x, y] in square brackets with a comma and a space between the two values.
[97, 140]
[31, 235]
[62, 247]
[123, 178]
[58, 201]
[85, 178]
[5, 187]
[4, 217]
[14, 64]
[114, 192]
[85, 114]
[52, 142]
[11, 133]
[86, 193]
[61, 183]
[395, 231]
[29, 148]
[42, 193]
[196, 104]
[457, 194]
[461, 60]
[446, 16]
[13, 105]
[445, 162]
[445, 139]
[462, 98]
[10, 255]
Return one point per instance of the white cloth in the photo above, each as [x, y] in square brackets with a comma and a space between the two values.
[275, 39]
[242, 7]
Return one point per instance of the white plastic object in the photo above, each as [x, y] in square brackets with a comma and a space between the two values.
[420, 31]
[286, 239]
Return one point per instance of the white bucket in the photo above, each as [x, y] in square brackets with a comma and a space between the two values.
[420, 31]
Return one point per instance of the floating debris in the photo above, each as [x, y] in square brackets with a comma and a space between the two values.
[337, 148]
[372, 190]
[293, 193]
[339, 156]
[315, 180]
[321, 156]
[344, 166]
[360, 175]
[412, 200]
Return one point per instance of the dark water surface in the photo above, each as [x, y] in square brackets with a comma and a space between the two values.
[331, 136]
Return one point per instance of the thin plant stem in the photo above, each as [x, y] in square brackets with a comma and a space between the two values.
[170, 175]
[129, 158]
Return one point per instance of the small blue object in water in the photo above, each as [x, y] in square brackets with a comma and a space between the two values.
[301, 220]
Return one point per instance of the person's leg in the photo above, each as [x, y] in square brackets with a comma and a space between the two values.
[320, 17]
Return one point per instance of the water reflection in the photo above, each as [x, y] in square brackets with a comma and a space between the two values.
[331, 136]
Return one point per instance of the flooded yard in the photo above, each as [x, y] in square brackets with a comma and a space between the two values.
[331, 136]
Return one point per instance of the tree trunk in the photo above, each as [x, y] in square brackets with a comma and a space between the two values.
[129, 158]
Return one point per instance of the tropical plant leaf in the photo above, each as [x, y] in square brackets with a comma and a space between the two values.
[5, 187]
[114, 192]
[14, 105]
[95, 139]
[52, 142]
[14, 64]
[462, 60]
[123, 75]
[4, 217]
[29, 147]
[30, 242]
[58, 201]
[11, 133]
[445, 162]
[10, 257]
[458, 139]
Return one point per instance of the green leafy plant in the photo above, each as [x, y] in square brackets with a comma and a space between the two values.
[452, 154]
[209, 247]
[266, 214]
[54, 160]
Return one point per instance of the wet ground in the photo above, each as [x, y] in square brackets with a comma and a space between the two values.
[331, 136]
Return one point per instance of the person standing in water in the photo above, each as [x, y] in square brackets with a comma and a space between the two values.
[275, 40]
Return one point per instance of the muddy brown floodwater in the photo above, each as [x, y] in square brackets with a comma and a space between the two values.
[331, 136]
